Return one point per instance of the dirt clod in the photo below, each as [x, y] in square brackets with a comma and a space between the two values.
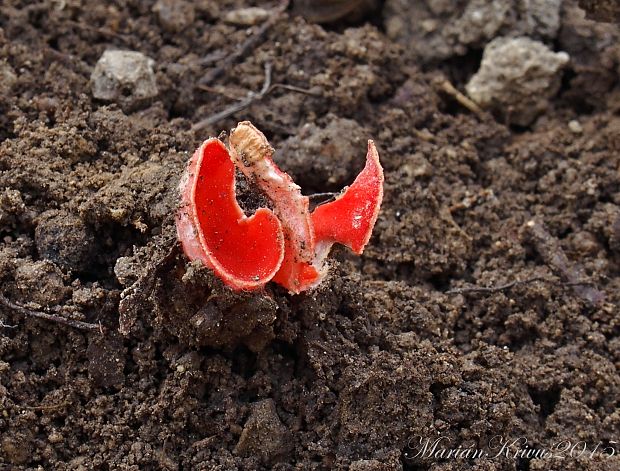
[16, 448]
[174, 15]
[601, 10]
[439, 29]
[106, 361]
[264, 434]
[64, 239]
[40, 282]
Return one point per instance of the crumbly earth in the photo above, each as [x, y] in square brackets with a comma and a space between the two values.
[183, 374]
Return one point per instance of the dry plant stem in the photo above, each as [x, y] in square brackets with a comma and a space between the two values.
[6, 326]
[48, 317]
[241, 105]
[217, 91]
[494, 289]
[47, 408]
[266, 89]
[512, 284]
[231, 96]
[551, 252]
[292, 88]
[245, 47]
[99, 30]
[445, 86]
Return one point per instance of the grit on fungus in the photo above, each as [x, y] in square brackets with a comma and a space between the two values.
[288, 245]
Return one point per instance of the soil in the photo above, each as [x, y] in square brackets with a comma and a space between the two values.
[394, 348]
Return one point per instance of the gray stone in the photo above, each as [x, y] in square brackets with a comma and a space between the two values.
[516, 78]
[246, 16]
[124, 77]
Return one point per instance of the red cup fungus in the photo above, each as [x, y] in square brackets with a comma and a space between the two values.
[288, 245]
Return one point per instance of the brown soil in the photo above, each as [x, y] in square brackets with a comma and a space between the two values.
[348, 376]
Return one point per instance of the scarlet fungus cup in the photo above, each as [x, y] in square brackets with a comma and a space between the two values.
[245, 252]
[350, 218]
[288, 245]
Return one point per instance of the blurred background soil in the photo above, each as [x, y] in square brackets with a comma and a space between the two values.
[522, 195]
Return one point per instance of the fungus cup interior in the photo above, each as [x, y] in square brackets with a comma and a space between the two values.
[350, 218]
[244, 251]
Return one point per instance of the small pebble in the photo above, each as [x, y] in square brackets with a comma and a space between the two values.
[246, 16]
[124, 77]
[55, 437]
[517, 77]
[575, 126]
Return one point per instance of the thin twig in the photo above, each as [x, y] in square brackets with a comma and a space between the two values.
[245, 48]
[241, 105]
[291, 88]
[553, 255]
[512, 284]
[252, 97]
[212, 57]
[495, 289]
[445, 86]
[48, 317]
[7, 326]
[100, 30]
[224, 93]
[318, 199]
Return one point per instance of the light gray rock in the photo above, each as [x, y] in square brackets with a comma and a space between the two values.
[246, 16]
[124, 77]
[516, 78]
